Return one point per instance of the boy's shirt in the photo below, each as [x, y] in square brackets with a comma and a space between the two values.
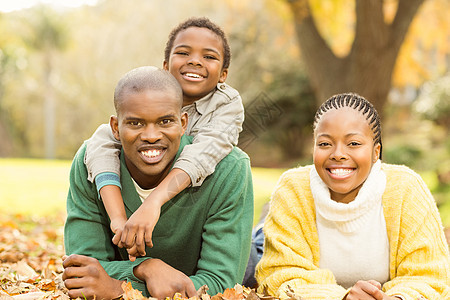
[204, 232]
[215, 121]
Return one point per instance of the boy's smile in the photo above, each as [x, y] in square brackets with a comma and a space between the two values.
[196, 61]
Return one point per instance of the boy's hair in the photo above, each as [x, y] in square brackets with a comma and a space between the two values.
[201, 22]
[355, 102]
[146, 78]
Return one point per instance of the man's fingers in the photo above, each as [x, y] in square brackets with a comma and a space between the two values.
[77, 294]
[190, 290]
[76, 260]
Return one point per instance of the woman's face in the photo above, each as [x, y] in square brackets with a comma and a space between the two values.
[344, 152]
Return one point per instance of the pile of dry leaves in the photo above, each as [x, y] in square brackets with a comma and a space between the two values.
[31, 253]
[30, 258]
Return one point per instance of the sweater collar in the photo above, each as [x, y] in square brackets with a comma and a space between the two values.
[352, 215]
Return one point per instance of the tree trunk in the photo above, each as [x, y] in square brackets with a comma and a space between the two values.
[367, 69]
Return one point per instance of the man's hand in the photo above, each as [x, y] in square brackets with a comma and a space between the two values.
[85, 278]
[137, 232]
[367, 290]
[163, 280]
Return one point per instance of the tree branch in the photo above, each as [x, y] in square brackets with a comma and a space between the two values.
[406, 11]
[370, 23]
[317, 55]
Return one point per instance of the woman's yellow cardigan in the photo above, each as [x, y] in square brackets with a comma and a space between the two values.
[419, 254]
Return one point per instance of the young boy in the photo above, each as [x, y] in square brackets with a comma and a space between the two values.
[197, 54]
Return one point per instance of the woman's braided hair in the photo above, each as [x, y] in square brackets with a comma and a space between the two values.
[355, 102]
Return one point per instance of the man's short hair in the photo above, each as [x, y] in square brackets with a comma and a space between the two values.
[146, 78]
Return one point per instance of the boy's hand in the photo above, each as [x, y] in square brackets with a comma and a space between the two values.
[137, 232]
[117, 225]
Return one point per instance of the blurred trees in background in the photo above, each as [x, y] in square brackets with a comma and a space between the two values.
[72, 59]
[367, 66]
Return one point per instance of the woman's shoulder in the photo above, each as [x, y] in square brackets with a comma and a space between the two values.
[295, 178]
[399, 173]
[299, 172]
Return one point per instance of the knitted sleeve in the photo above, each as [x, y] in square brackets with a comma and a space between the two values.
[291, 249]
[420, 264]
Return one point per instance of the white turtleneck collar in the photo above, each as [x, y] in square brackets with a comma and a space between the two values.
[353, 236]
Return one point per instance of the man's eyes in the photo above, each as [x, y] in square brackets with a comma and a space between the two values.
[135, 123]
[166, 121]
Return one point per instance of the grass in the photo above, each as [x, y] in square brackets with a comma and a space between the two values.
[33, 186]
[39, 188]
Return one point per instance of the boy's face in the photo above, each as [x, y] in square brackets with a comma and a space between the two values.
[149, 125]
[196, 61]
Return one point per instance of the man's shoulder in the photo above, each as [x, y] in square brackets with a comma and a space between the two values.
[235, 158]
[79, 157]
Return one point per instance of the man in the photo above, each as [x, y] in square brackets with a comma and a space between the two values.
[203, 234]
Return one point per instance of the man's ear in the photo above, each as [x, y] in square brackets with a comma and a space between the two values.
[223, 76]
[166, 65]
[184, 121]
[114, 123]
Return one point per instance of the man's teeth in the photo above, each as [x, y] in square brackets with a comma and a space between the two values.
[151, 153]
[341, 172]
[193, 75]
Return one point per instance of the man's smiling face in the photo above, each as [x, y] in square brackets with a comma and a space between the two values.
[149, 125]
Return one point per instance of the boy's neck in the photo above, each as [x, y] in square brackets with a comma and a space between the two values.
[189, 101]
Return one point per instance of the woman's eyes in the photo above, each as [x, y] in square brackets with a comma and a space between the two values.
[323, 144]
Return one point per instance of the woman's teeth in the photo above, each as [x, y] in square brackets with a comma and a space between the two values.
[341, 172]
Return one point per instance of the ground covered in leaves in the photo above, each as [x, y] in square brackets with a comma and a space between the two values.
[31, 251]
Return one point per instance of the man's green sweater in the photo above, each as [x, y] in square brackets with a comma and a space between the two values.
[205, 232]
